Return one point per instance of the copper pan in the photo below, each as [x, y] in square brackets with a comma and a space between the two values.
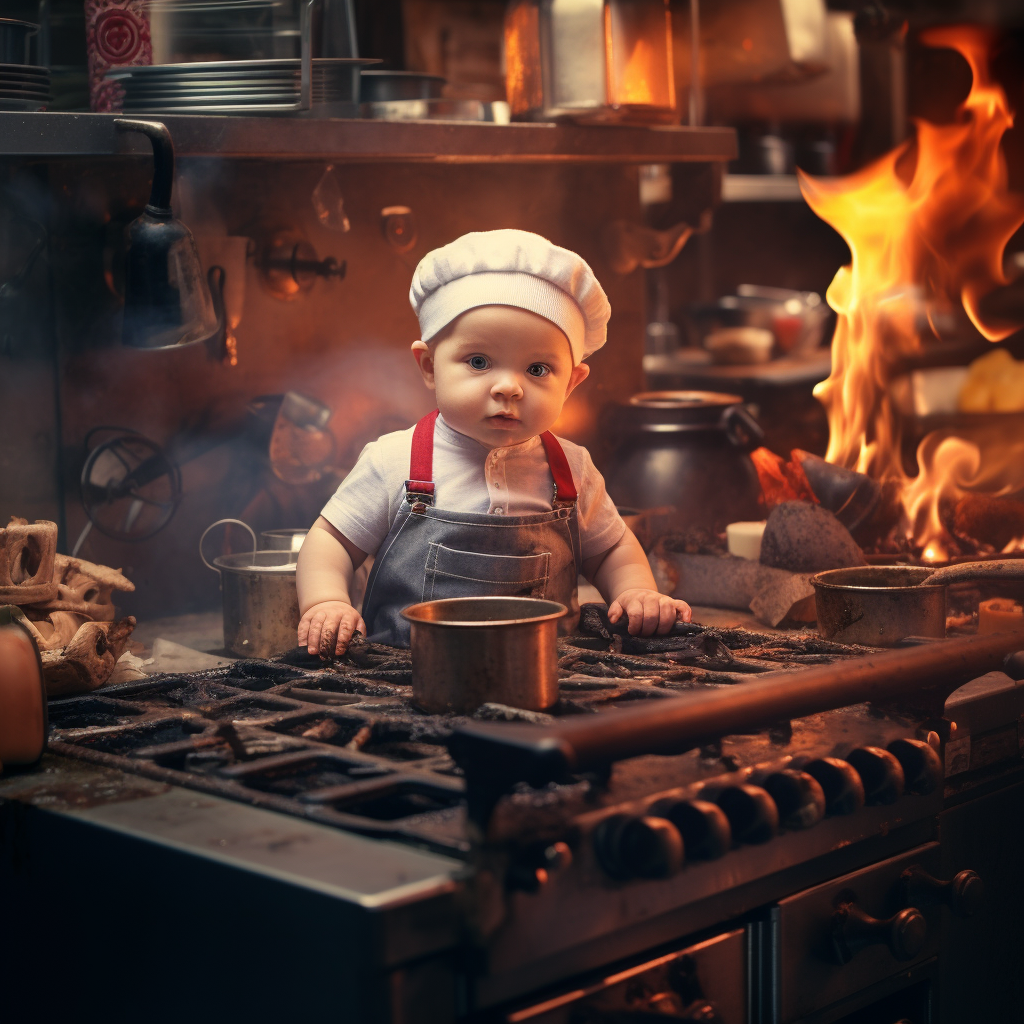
[880, 605]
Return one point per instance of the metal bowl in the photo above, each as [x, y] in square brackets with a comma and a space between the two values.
[384, 86]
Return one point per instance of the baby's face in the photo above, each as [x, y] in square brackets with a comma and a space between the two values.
[501, 374]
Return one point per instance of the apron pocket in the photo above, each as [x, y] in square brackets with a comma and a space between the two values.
[452, 573]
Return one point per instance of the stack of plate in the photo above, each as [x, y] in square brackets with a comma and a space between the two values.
[24, 87]
[240, 87]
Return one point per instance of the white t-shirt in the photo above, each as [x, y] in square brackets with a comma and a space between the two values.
[468, 477]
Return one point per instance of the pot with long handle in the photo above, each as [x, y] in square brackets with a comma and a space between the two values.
[880, 605]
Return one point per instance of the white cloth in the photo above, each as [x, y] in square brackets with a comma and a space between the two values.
[509, 267]
[468, 478]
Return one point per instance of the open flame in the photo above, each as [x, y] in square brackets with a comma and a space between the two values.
[927, 226]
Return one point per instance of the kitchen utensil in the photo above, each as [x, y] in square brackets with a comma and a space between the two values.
[14, 40]
[283, 540]
[130, 487]
[167, 301]
[740, 345]
[229, 29]
[376, 86]
[425, 110]
[24, 87]
[602, 60]
[475, 650]
[688, 450]
[797, 319]
[23, 722]
[243, 86]
[880, 605]
[260, 603]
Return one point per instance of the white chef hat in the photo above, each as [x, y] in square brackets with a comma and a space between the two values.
[509, 267]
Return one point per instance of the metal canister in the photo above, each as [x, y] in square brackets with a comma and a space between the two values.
[261, 605]
[468, 651]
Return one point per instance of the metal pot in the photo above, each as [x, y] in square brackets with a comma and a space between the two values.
[468, 651]
[687, 450]
[386, 86]
[880, 605]
[261, 605]
[284, 540]
[14, 40]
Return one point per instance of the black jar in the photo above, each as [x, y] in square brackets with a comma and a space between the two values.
[687, 451]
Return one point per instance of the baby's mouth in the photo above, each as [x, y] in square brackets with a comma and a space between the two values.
[504, 417]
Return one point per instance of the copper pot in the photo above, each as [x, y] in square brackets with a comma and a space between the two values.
[23, 719]
[880, 605]
[468, 651]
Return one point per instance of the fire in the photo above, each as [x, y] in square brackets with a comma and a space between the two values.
[927, 226]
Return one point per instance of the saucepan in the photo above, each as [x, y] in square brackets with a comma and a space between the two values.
[468, 651]
[261, 605]
[880, 605]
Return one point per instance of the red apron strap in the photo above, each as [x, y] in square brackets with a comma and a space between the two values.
[565, 488]
[421, 460]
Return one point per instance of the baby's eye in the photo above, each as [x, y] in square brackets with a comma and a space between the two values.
[479, 362]
[538, 370]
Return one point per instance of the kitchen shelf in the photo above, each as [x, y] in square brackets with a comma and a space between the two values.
[295, 138]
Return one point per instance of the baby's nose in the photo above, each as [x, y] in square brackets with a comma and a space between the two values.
[507, 385]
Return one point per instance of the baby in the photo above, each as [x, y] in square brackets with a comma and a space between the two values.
[480, 498]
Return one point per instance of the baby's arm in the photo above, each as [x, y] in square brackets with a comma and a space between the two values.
[323, 577]
[623, 575]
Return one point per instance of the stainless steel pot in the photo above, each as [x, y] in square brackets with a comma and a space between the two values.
[261, 605]
[880, 605]
[468, 651]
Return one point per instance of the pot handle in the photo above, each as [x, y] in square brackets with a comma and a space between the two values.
[1009, 569]
[221, 522]
[743, 430]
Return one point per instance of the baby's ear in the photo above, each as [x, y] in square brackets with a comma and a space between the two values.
[425, 361]
[579, 374]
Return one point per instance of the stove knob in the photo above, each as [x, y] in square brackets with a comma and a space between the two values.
[798, 797]
[753, 816]
[703, 826]
[880, 772]
[922, 767]
[904, 933]
[629, 846]
[963, 893]
[839, 781]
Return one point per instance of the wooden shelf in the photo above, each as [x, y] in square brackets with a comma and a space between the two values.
[299, 138]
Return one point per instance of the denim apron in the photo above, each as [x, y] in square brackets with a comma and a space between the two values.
[431, 554]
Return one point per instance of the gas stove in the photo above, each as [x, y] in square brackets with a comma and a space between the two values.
[598, 833]
[344, 744]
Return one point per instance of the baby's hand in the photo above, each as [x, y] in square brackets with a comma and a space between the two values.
[648, 611]
[327, 628]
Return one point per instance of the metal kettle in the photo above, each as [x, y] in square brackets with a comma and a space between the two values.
[168, 302]
[685, 455]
